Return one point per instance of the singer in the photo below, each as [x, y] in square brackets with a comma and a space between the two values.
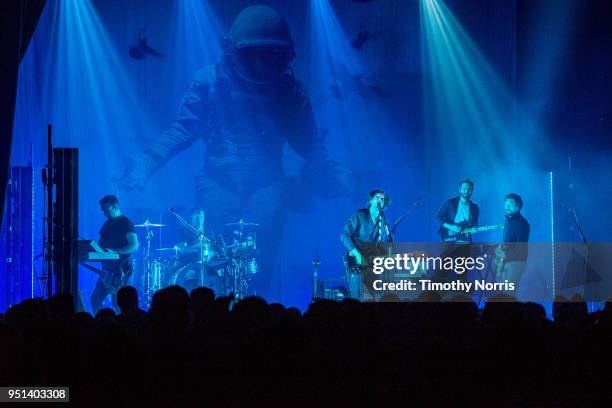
[363, 236]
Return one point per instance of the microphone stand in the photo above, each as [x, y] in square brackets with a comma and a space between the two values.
[400, 219]
[572, 212]
[574, 217]
[156, 284]
[382, 217]
[201, 238]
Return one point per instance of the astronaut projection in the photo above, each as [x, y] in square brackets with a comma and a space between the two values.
[245, 108]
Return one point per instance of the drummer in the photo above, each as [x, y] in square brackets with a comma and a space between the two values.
[190, 244]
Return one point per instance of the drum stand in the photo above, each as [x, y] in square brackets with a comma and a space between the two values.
[315, 278]
[202, 258]
[152, 275]
[240, 266]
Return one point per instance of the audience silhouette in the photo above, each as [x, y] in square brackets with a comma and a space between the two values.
[190, 348]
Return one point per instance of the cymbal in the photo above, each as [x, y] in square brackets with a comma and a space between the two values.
[149, 224]
[243, 223]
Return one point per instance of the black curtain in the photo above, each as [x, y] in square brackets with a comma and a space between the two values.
[18, 19]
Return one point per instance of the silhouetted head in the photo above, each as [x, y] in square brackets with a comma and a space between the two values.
[31, 317]
[61, 306]
[202, 300]
[252, 311]
[127, 299]
[535, 311]
[572, 312]
[503, 311]
[105, 314]
[277, 311]
[170, 309]
[294, 313]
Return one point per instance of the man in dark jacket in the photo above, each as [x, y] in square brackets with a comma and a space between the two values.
[363, 236]
[512, 255]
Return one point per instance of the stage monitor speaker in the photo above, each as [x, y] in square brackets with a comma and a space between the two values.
[65, 220]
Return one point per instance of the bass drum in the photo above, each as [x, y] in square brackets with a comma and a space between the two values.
[189, 278]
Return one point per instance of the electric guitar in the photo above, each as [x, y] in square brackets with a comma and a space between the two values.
[367, 254]
[464, 233]
[352, 267]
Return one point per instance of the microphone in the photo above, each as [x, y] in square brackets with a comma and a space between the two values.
[172, 210]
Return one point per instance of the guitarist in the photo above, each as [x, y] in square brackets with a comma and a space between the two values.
[117, 235]
[456, 214]
[363, 237]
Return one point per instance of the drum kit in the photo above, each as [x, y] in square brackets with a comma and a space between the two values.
[224, 268]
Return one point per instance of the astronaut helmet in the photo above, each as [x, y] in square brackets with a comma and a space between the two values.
[259, 45]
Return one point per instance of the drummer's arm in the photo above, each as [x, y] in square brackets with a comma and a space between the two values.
[132, 244]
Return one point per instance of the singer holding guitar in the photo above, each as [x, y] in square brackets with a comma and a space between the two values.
[117, 235]
[363, 237]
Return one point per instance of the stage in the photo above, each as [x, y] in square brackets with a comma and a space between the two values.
[241, 174]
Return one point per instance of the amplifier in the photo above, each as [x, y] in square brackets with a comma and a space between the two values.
[332, 289]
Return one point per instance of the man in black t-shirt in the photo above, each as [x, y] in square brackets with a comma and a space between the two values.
[117, 235]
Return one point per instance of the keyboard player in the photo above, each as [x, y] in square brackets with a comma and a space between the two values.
[117, 235]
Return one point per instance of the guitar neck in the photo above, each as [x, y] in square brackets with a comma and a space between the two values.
[481, 229]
